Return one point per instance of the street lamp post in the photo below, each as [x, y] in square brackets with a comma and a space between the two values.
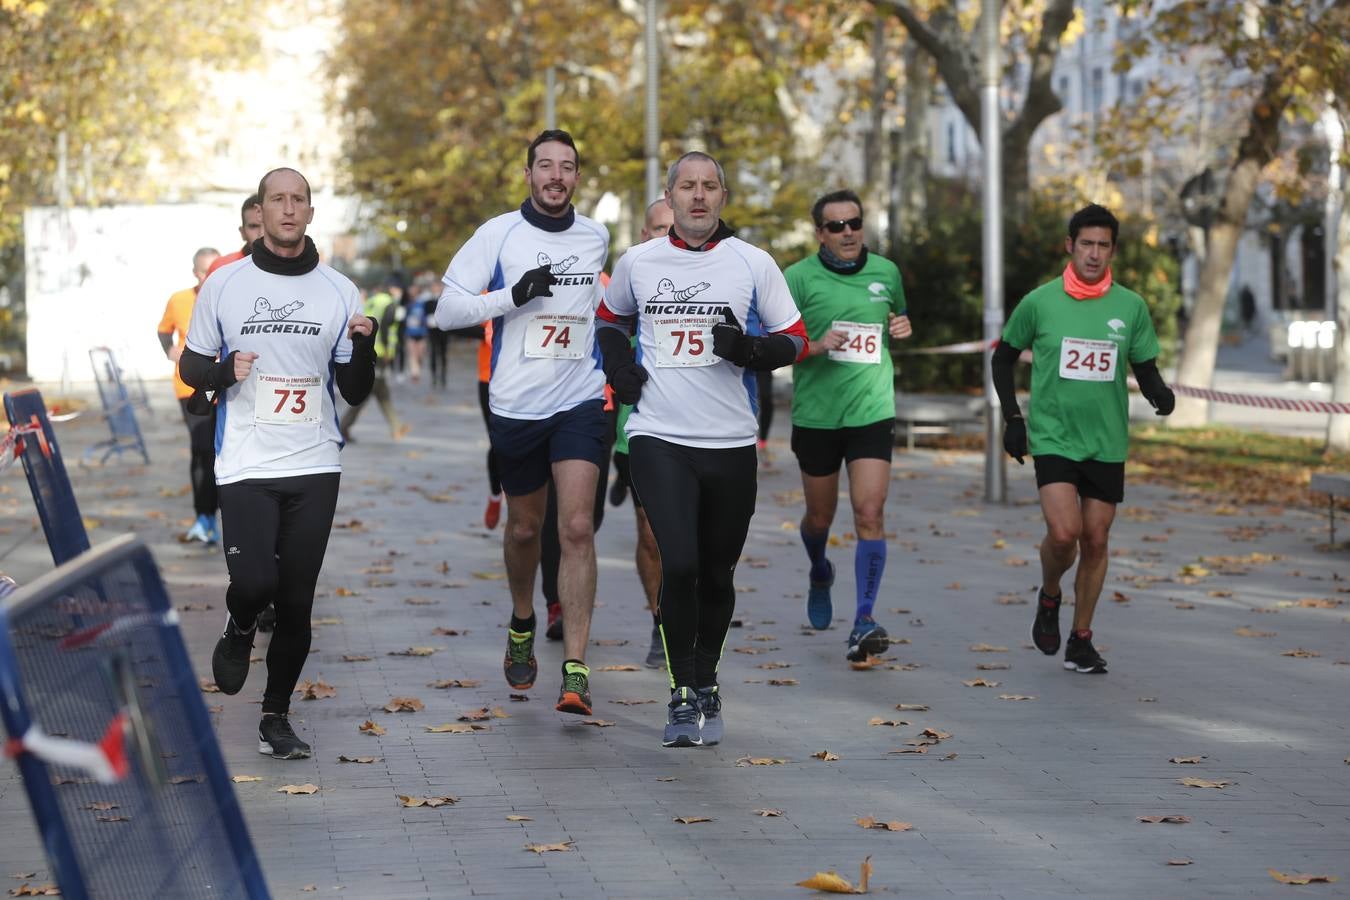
[995, 486]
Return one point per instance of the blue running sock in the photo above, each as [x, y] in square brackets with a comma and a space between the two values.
[869, 562]
[815, 550]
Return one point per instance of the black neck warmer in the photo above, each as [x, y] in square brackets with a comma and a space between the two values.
[285, 265]
[842, 267]
[721, 233]
[547, 223]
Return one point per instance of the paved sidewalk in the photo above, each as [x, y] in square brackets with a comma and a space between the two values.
[1026, 798]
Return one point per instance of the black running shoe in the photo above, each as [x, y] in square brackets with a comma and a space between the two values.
[866, 639]
[1045, 630]
[1081, 656]
[656, 653]
[229, 662]
[710, 704]
[267, 619]
[519, 664]
[276, 738]
[684, 721]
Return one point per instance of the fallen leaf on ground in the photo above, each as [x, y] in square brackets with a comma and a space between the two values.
[871, 662]
[309, 888]
[922, 748]
[629, 701]
[948, 757]
[433, 802]
[870, 822]
[420, 601]
[345, 592]
[1010, 600]
[598, 723]
[955, 586]
[455, 728]
[1301, 653]
[1015, 561]
[35, 890]
[369, 727]
[475, 715]
[208, 687]
[113, 818]
[981, 682]
[833, 883]
[752, 651]
[245, 779]
[760, 761]
[1193, 570]
[774, 665]
[1016, 697]
[298, 789]
[762, 638]
[825, 755]
[1187, 760]
[1120, 597]
[611, 642]
[315, 690]
[414, 651]
[99, 806]
[625, 667]
[187, 779]
[489, 576]
[1318, 603]
[889, 723]
[690, 820]
[357, 657]
[1203, 783]
[549, 848]
[455, 683]
[1180, 862]
[519, 819]
[1168, 820]
[993, 667]
[934, 734]
[912, 707]
[987, 648]
[449, 632]
[1246, 631]
[768, 813]
[1148, 700]
[366, 760]
[783, 682]
[673, 778]
[404, 704]
[1283, 878]
[525, 698]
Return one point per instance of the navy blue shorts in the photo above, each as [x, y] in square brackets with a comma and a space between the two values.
[527, 448]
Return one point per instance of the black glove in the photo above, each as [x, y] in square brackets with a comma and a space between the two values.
[534, 283]
[729, 340]
[1015, 439]
[627, 380]
[1164, 401]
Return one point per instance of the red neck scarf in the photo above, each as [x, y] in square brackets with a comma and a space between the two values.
[1079, 289]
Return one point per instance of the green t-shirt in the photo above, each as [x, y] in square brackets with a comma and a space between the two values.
[834, 393]
[1079, 402]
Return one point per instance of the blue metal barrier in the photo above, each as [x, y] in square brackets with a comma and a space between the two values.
[115, 745]
[35, 444]
[118, 408]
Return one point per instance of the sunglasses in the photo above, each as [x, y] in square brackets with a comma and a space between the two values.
[838, 225]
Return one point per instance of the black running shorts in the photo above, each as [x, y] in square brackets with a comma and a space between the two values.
[820, 450]
[1103, 481]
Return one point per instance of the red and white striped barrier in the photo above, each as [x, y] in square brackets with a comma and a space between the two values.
[1263, 401]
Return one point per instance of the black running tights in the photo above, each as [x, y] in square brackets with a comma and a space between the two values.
[202, 467]
[275, 532]
[699, 502]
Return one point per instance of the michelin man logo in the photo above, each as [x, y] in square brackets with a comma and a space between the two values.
[263, 310]
[559, 267]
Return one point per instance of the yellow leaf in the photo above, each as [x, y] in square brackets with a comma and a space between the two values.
[1282, 878]
[244, 779]
[369, 727]
[549, 848]
[825, 755]
[830, 882]
[1203, 783]
[760, 761]
[432, 802]
[519, 819]
[298, 789]
[691, 820]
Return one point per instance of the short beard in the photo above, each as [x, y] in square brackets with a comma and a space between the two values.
[537, 198]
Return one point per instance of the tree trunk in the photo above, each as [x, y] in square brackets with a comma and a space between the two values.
[913, 162]
[1201, 344]
[1338, 427]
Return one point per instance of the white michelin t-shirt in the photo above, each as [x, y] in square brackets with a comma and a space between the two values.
[281, 421]
[693, 397]
[544, 356]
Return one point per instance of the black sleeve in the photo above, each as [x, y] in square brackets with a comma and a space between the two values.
[1005, 357]
[165, 341]
[356, 378]
[1151, 383]
[203, 372]
[614, 346]
[773, 351]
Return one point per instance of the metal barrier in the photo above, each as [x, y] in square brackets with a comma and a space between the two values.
[34, 442]
[115, 745]
[118, 408]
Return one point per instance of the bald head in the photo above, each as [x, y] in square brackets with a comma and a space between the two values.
[658, 220]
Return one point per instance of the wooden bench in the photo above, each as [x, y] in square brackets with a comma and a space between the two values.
[936, 414]
[1333, 485]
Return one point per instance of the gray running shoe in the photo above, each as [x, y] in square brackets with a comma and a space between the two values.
[710, 704]
[684, 722]
[656, 654]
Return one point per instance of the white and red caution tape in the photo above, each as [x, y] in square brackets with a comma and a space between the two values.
[1262, 400]
[963, 347]
[105, 762]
